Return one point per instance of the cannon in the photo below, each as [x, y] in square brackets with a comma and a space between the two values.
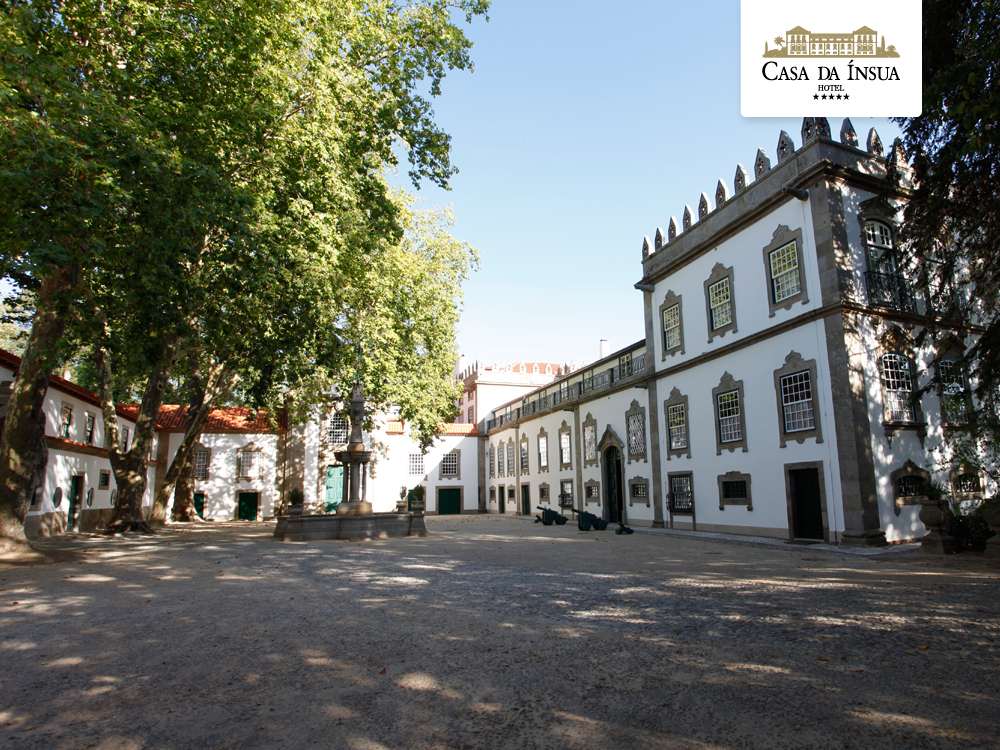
[549, 517]
[586, 521]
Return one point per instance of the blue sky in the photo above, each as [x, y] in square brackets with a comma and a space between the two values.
[585, 126]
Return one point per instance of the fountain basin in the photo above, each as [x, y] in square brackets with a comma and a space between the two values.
[302, 528]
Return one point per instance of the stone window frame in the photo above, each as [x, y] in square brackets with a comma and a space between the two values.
[879, 211]
[677, 399]
[720, 272]
[501, 459]
[633, 499]
[588, 486]
[564, 429]
[952, 351]
[591, 423]
[492, 458]
[963, 470]
[794, 363]
[523, 455]
[735, 476]
[104, 480]
[636, 410]
[908, 469]
[571, 500]
[457, 476]
[241, 475]
[543, 488]
[669, 300]
[511, 458]
[726, 384]
[894, 341]
[781, 237]
[197, 475]
[542, 467]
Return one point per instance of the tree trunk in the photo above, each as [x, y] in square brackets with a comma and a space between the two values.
[184, 509]
[206, 392]
[129, 466]
[23, 453]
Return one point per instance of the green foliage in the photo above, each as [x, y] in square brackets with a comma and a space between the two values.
[969, 527]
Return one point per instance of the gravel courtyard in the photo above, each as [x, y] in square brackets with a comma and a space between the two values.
[494, 633]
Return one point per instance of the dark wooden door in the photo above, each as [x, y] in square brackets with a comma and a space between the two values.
[502, 500]
[449, 501]
[613, 485]
[199, 504]
[75, 490]
[526, 499]
[246, 509]
[807, 509]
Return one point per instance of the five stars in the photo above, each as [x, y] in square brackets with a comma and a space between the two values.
[831, 96]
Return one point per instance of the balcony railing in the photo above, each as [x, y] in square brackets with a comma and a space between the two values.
[599, 381]
[890, 290]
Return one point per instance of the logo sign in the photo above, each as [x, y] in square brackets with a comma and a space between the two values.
[853, 58]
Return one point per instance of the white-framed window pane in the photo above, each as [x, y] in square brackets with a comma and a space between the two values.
[500, 460]
[449, 465]
[719, 297]
[589, 442]
[337, 430]
[247, 461]
[636, 429]
[897, 387]
[416, 464]
[796, 402]
[681, 494]
[543, 452]
[524, 457]
[672, 327]
[878, 234]
[785, 272]
[730, 430]
[510, 460]
[200, 469]
[677, 424]
[564, 452]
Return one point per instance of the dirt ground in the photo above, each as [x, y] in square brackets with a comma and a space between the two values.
[494, 633]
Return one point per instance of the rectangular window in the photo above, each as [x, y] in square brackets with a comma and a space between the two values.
[200, 463]
[636, 429]
[416, 464]
[524, 456]
[796, 402]
[592, 491]
[66, 421]
[90, 422]
[564, 449]
[472, 414]
[543, 492]
[730, 430]
[493, 494]
[493, 461]
[589, 442]
[625, 365]
[639, 490]
[954, 404]
[247, 461]
[543, 452]
[719, 298]
[681, 494]
[338, 430]
[734, 490]
[125, 435]
[677, 426]
[500, 460]
[671, 327]
[510, 459]
[784, 264]
[449, 465]
[566, 493]
[104, 480]
[897, 387]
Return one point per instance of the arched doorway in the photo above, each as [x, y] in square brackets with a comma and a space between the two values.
[614, 494]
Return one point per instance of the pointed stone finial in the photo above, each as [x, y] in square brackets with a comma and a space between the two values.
[686, 218]
[785, 146]
[897, 155]
[808, 129]
[672, 229]
[761, 164]
[740, 180]
[848, 135]
[658, 239]
[645, 248]
[822, 127]
[874, 143]
[702, 207]
[721, 193]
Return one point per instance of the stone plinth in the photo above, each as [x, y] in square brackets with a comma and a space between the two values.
[298, 528]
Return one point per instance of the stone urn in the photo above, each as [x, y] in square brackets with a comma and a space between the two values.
[991, 512]
[932, 516]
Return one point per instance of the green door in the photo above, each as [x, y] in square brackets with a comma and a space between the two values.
[199, 504]
[75, 488]
[449, 501]
[246, 506]
[334, 487]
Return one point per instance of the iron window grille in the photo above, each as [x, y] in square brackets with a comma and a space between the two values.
[719, 299]
[338, 430]
[640, 490]
[416, 464]
[797, 402]
[566, 493]
[589, 442]
[681, 495]
[636, 429]
[734, 490]
[592, 491]
[897, 387]
[677, 426]
[246, 463]
[968, 484]
[201, 462]
[910, 485]
[730, 430]
[784, 264]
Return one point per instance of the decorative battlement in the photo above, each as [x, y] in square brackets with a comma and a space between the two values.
[813, 129]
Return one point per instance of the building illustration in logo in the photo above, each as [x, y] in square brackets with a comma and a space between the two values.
[800, 42]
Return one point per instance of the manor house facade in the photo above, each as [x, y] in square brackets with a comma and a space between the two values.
[779, 388]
